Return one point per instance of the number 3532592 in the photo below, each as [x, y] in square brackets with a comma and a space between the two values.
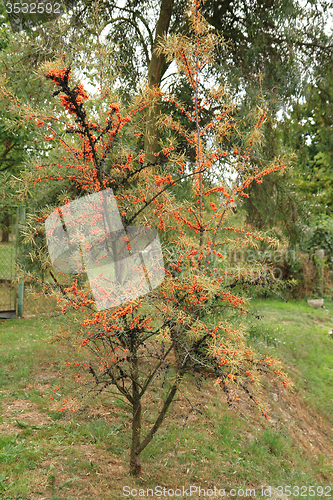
[33, 8]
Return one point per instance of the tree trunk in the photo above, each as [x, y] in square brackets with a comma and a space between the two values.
[158, 64]
[137, 446]
[135, 464]
[157, 67]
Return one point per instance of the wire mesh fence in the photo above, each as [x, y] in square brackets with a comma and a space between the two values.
[8, 252]
[32, 303]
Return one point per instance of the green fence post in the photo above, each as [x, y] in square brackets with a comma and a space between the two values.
[20, 298]
[20, 291]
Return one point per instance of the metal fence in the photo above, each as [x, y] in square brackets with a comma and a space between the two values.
[16, 297]
[8, 253]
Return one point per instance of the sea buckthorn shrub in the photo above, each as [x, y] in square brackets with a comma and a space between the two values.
[192, 322]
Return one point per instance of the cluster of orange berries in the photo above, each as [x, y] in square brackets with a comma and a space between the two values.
[167, 179]
[58, 75]
[261, 119]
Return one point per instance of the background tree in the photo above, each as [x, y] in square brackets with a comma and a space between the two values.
[308, 131]
[268, 47]
[19, 141]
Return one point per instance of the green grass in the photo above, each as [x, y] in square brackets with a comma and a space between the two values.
[300, 337]
[46, 454]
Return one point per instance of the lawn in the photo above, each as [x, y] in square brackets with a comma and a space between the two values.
[304, 343]
[47, 454]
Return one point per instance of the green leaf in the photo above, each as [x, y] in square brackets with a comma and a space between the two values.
[68, 481]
